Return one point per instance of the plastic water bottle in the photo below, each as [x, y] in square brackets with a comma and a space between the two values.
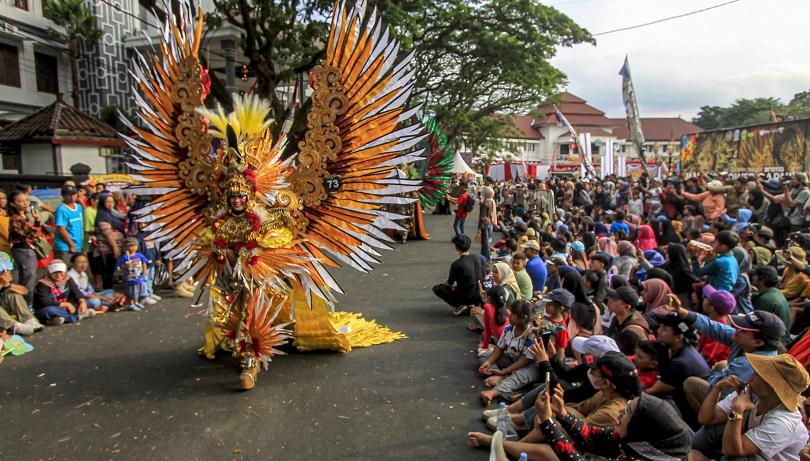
[523, 457]
[504, 423]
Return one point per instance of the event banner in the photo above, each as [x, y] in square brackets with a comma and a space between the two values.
[773, 148]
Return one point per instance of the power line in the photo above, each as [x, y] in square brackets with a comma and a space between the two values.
[690, 13]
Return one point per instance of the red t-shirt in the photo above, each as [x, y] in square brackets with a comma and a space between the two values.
[491, 328]
[560, 329]
[647, 378]
[714, 351]
[462, 201]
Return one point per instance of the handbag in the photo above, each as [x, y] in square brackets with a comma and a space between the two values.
[42, 248]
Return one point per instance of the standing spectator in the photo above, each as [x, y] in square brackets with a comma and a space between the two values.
[109, 232]
[737, 196]
[69, 220]
[712, 201]
[13, 303]
[535, 266]
[133, 265]
[3, 203]
[461, 290]
[487, 219]
[461, 209]
[23, 234]
[151, 250]
[90, 212]
[57, 299]
[795, 202]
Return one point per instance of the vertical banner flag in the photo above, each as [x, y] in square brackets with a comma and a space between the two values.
[631, 108]
[586, 161]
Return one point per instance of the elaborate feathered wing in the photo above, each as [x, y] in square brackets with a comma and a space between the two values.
[439, 167]
[353, 144]
[172, 152]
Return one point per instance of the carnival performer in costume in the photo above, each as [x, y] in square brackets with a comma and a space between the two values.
[255, 230]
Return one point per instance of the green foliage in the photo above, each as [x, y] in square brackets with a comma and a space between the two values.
[473, 59]
[76, 18]
[753, 111]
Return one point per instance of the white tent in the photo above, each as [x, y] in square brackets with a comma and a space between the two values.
[460, 166]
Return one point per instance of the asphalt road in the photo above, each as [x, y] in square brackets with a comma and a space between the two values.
[130, 386]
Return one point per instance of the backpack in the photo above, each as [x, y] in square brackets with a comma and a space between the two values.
[469, 205]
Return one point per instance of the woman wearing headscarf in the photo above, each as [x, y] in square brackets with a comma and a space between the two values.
[679, 267]
[626, 260]
[608, 246]
[649, 429]
[645, 240]
[487, 218]
[109, 231]
[503, 275]
[654, 293]
[665, 232]
[760, 256]
[589, 240]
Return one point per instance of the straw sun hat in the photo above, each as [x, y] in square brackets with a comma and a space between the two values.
[786, 376]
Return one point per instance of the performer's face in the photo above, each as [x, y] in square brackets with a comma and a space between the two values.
[238, 202]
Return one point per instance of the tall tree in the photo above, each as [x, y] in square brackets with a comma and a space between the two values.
[79, 26]
[799, 106]
[472, 59]
[742, 112]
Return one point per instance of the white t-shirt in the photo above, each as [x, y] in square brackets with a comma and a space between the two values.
[82, 281]
[515, 346]
[779, 434]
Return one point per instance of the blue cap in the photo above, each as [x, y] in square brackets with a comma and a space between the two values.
[6, 263]
[578, 246]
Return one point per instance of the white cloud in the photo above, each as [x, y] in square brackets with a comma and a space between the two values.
[747, 49]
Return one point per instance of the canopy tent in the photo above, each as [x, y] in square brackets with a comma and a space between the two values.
[460, 166]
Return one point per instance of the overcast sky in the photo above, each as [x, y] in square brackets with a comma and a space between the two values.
[746, 49]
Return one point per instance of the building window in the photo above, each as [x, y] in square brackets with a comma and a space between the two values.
[564, 152]
[9, 65]
[10, 162]
[21, 4]
[47, 73]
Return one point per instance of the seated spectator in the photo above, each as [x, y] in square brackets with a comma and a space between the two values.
[648, 359]
[503, 275]
[15, 317]
[600, 263]
[461, 290]
[771, 429]
[717, 305]
[758, 333]
[509, 364]
[535, 267]
[524, 282]
[494, 316]
[99, 302]
[655, 294]
[721, 271]
[628, 327]
[649, 429]
[680, 336]
[57, 299]
[768, 297]
[794, 281]
[627, 260]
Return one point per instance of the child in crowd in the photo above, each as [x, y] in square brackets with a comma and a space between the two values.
[510, 364]
[555, 320]
[648, 358]
[134, 266]
[151, 251]
[494, 317]
[524, 281]
[717, 305]
[101, 301]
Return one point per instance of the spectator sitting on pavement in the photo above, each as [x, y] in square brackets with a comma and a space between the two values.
[721, 271]
[461, 290]
[768, 297]
[535, 266]
[717, 305]
[758, 333]
[99, 302]
[509, 365]
[133, 265]
[494, 316]
[772, 429]
[628, 325]
[648, 358]
[14, 313]
[523, 280]
[57, 299]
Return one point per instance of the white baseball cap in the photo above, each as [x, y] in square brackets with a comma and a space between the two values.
[596, 345]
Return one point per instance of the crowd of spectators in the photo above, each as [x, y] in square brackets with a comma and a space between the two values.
[62, 264]
[647, 318]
